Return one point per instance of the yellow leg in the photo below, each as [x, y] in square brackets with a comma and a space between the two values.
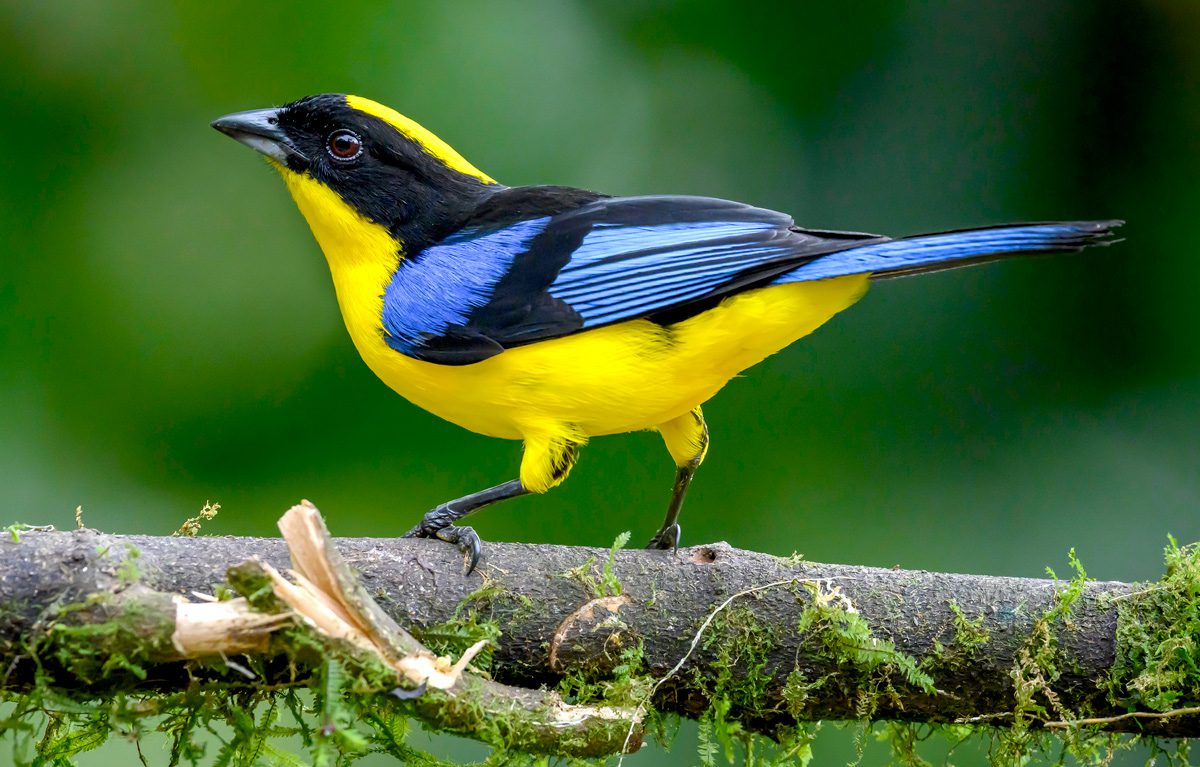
[548, 459]
[687, 441]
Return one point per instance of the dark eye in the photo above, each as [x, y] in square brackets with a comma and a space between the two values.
[344, 145]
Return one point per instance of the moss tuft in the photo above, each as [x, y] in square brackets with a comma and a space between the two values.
[856, 659]
[1157, 664]
[969, 633]
[603, 582]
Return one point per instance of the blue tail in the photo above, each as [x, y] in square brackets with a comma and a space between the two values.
[947, 250]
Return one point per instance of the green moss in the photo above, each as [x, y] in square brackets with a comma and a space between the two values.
[1034, 675]
[128, 572]
[129, 635]
[609, 583]
[857, 659]
[248, 580]
[16, 528]
[864, 666]
[1150, 622]
[743, 646]
[903, 739]
[190, 527]
[1070, 593]
[602, 583]
[1157, 664]
[343, 711]
[341, 708]
[454, 636]
[969, 633]
[472, 621]
[625, 684]
[797, 689]
[792, 560]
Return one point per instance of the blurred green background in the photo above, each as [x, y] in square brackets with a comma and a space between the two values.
[170, 334]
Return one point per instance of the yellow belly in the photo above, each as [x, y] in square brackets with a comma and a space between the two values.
[626, 377]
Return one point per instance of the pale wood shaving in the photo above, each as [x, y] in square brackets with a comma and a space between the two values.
[215, 628]
[316, 595]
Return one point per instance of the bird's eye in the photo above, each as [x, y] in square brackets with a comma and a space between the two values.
[344, 145]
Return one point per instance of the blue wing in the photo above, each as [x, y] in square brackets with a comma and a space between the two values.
[536, 265]
[621, 271]
[496, 285]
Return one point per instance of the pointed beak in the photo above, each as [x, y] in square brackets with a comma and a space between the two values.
[259, 129]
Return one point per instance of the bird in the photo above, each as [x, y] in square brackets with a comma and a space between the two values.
[554, 314]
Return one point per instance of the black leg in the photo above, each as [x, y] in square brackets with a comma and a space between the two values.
[687, 439]
[439, 523]
[667, 537]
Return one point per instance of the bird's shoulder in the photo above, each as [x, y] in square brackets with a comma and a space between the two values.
[514, 204]
[560, 207]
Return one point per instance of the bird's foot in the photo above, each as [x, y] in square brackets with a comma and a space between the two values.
[666, 539]
[438, 524]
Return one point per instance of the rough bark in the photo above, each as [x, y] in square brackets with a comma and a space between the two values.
[555, 618]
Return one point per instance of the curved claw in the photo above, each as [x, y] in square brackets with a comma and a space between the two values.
[666, 539]
[468, 543]
[437, 524]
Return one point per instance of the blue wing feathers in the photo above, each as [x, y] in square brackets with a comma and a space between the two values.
[440, 288]
[946, 250]
[494, 286]
[614, 246]
[659, 280]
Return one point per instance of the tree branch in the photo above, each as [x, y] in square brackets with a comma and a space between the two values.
[780, 640]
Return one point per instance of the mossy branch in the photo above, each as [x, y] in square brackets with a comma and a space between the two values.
[736, 638]
[320, 621]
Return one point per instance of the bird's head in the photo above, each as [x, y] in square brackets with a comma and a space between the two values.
[355, 167]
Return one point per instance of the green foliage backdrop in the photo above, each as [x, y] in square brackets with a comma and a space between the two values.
[169, 334]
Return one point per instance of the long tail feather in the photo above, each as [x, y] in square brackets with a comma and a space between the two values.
[948, 250]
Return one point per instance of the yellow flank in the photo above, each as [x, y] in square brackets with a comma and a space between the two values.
[434, 145]
[555, 394]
